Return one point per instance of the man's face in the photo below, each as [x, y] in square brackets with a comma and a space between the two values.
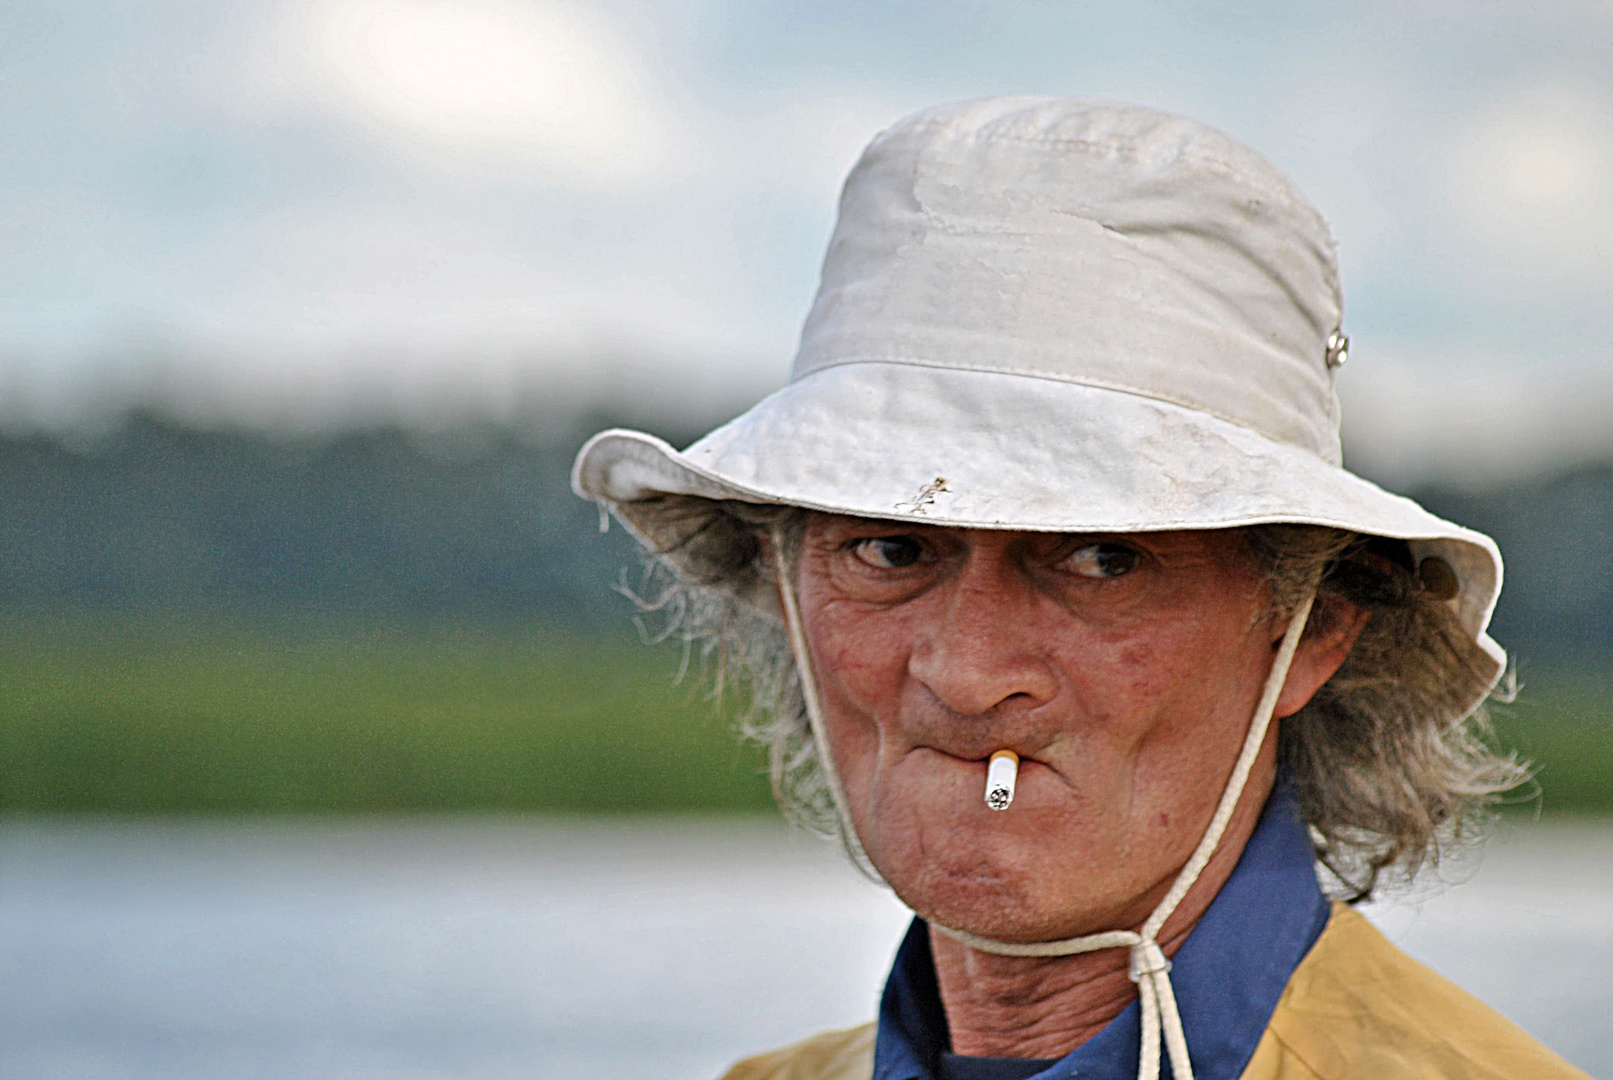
[1122, 669]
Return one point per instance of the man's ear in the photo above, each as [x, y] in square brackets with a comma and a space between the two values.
[1322, 652]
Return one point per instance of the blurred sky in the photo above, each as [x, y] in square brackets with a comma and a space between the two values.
[314, 211]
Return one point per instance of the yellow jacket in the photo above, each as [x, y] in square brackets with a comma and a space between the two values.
[1356, 1008]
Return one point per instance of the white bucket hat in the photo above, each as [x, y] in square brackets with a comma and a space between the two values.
[1065, 316]
[1059, 315]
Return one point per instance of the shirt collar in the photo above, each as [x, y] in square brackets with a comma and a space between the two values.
[1227, 975]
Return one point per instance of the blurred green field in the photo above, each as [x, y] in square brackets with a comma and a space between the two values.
[184, 716]
[1563, 722]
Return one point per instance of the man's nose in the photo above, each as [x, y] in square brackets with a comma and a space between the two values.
[978, 650]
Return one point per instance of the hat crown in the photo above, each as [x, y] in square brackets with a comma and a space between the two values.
[1091, 242]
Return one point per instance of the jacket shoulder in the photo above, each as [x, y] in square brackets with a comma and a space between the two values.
[1357, 1008]
[833, 1055]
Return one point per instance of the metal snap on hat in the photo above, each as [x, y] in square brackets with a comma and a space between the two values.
[1059, 315]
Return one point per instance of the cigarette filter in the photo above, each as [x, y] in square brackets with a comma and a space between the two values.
[1001, 773]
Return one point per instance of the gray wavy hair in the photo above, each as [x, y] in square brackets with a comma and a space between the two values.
[1391, 764]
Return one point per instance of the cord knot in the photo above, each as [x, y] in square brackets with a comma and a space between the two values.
[1147, 958]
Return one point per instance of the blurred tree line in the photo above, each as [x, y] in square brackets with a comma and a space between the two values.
[378, 525]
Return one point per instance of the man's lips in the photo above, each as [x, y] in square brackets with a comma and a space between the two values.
[981, 762]
[981, 757]
[975, 765]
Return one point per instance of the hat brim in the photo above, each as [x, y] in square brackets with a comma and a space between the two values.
[983, 449]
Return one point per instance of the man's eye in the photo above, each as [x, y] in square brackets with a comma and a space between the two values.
[889, 552]
[1102, 560]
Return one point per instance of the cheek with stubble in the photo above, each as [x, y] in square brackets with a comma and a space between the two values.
[1187, 691]
[860, 675]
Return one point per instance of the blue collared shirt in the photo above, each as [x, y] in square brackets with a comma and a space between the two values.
[1227, 975]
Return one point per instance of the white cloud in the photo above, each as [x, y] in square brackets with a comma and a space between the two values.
[544, 84]
[1531, 181]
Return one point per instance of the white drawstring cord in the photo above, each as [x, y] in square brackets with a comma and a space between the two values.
[809, 696]
[1150, 969]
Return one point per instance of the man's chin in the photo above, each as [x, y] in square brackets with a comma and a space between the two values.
[1005, 875]
[999, 903]
[1001, 920]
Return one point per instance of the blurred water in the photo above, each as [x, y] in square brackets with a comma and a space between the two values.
[629, 949]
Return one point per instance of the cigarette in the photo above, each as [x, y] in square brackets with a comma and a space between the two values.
[1000, 776]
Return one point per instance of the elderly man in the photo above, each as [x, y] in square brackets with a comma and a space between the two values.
[1059, 608]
